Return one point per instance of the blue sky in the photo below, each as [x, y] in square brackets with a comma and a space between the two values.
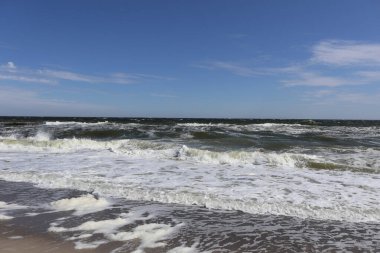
[243, 59]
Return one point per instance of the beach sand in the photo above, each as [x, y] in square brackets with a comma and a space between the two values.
[16, 240]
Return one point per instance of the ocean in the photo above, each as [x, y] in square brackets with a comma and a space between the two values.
[192, 185]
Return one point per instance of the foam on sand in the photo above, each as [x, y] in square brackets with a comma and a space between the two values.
[82, 205]
[5, 217]
[150, 235]
[16, 237]
[4, 206]
[184, 249]
[103, 226]
[106, 227]
[89, 245]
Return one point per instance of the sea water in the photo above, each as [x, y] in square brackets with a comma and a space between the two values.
[151, 179]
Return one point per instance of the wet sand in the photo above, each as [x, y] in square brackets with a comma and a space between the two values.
[16, 240]
[35, 244]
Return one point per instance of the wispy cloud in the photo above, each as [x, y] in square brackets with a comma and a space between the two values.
[332, 63]
[10, 71]
[231, 67]
[10, 65]
[354, 63]
[331, 97]
[304, 78]
[295, 75]
[65, 75]
[28, 102]
[369, 75]
[359, 97]
[341, 53]
[27, 79]
[321, 93]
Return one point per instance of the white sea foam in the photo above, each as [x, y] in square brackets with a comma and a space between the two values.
[5, 217]
[150, 235]
[65, 123]
[253, 181]
[97, 226]
[227, 126]
[89, 245]
[15, 237]
[364, 158]
[184, 249]
[103, 226]
[32, 214]
[7, 206]
[200, 124]
[81, 236]
[287, 128]
[258, 190]
[276, 124]
[244, 157]
[41, 136]
[127, 147]
[4, 207]
[82, 205]
[12, 136]
[152, 149]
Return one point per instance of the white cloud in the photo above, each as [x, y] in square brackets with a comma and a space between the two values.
[341, 53]
[8, 67]
[11, 65]
[362, 58]
[9, 71]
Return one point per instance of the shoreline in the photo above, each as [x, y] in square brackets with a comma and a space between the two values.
[12, 240]
[16, 242]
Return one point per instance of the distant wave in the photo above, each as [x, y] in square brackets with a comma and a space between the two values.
[60, 123]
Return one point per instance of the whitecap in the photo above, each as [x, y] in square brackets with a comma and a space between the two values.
[81, 205]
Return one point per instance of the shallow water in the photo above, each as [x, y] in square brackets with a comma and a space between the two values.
[180, 227]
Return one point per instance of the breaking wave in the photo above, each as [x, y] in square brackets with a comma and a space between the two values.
[66, 123]
[41, 142]
[334, 211]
